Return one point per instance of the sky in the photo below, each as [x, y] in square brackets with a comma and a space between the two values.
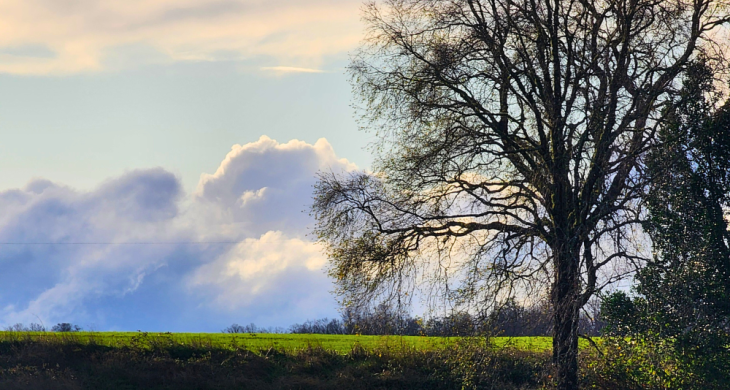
[157, 159]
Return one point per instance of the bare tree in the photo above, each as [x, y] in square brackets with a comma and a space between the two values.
[511, 144]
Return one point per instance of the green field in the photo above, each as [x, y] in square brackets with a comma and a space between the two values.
[208, 361]
[262, 341]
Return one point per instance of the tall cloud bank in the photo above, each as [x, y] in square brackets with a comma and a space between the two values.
[139, 253]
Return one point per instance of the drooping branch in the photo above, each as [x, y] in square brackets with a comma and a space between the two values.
[512, 138]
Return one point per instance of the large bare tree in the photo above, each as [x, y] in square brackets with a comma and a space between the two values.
[511, 145]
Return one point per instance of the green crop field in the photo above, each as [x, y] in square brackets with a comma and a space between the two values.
[194, 361]
[261, 341]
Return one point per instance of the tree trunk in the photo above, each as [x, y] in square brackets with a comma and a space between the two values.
[565, 318]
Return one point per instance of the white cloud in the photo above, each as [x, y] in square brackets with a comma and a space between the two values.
[290, 69]
[64, 36]
[250, 197]
[136, 254]
[54, 280]
[272, 177]
[253, 266]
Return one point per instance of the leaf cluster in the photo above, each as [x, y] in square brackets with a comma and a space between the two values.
[682, 305]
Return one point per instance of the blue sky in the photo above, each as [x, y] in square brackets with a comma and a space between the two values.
[176, 122]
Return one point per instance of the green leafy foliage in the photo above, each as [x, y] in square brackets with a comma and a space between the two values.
[622, 314]
[674, 333]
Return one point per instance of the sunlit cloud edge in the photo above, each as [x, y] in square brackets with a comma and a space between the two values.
[291, 69]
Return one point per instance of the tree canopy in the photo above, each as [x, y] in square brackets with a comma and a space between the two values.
[687, 283]
[683, 292]
[512, 138]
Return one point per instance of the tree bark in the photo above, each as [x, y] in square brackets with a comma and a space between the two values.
[565, 327]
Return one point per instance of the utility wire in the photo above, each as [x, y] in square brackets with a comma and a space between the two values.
[126, 243]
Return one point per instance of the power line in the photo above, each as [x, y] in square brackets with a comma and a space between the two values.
[126, 243]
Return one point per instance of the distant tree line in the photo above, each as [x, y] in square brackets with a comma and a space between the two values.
[252, 328]
[512, 319]
[33, 327]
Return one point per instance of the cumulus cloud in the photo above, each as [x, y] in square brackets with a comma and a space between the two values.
[253, 267]
[258, 187]
[51, 281]
[89, 35]
[290, 69]
[136, 252]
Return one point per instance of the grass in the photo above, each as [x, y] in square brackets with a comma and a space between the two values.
[181, 361]
[121, 361]
[289, 342]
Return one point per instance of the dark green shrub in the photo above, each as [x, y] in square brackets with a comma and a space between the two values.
[66, 327]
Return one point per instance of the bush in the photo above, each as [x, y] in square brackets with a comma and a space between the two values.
[645, 348]
[66, 327]
[648, 362]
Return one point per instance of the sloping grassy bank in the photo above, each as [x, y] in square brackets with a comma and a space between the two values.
[85, 360]
[150, 362]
